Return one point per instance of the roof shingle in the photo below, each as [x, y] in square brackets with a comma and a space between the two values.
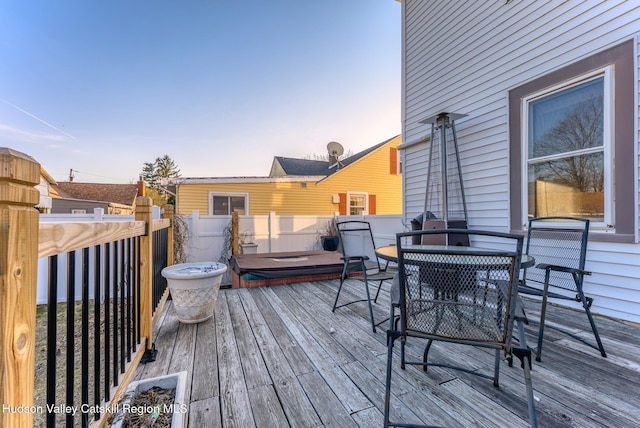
[124, 194]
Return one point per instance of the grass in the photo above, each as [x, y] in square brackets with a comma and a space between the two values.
[62, 358]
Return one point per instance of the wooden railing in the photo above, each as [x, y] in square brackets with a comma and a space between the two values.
[128, 293]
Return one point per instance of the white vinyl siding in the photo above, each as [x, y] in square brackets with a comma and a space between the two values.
[465, 57]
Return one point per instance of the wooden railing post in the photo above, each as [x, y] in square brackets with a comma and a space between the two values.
[18, 273]
[144, 206]
[168, 213]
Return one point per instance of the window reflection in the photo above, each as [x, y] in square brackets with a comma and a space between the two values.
[570, 186]
[566, 152]
[225, 205]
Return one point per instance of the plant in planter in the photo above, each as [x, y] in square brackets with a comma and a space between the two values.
[159, 401]
[247, 244]
[329, 236]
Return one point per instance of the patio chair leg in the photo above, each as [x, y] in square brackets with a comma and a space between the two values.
[387, 390]
[337, 295]
[543, 312]
[524, 355]
[496, 369]
[343, 276]
[375, 300]
[586, 304]
[425, 354]
[366, 285]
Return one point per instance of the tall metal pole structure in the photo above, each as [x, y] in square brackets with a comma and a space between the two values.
[441, 122]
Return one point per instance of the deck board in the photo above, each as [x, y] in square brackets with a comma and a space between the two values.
[278, 356]
[205, 385]
[234, 396]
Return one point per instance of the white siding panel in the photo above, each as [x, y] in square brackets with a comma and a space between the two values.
[464, 57]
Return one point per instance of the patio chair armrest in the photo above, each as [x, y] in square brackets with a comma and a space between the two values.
[557, 268]
[354, 258]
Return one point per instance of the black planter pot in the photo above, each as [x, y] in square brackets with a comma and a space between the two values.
[330, 243]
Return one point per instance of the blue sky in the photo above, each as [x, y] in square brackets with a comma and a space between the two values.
[222, 87]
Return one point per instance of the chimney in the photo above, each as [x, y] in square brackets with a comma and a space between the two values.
[141, 187]
[333, 159]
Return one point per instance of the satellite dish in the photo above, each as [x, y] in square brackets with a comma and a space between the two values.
[335, 149]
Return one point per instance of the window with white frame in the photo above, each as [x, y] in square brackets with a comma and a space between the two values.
[567, 151]
[358, 203]
[227, 203]
[572, 145]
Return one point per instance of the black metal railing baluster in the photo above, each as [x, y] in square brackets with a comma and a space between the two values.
[114, 300]
[129, 268]
[107, 321]
[96, 327]
[71, 292]
[159, 283]
[138, 309]
[52, 324]
[154, 278]
[84, 371]
[123, 314]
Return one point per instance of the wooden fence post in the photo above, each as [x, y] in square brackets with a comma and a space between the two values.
[144, 206]
[168, 213]
[235, 234]
[19, 225]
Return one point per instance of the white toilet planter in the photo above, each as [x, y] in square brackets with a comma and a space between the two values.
[194, 289]
[179, 407]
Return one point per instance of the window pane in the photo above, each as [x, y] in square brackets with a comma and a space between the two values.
[356, 204]
[220, 205]
[237, 204]
[569, 120]
[571, 186]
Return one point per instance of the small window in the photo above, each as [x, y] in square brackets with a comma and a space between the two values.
[225, 204]
[78, 211]
[357, 203]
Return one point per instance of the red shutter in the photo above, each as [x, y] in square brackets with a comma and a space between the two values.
[372, 204]
[342, 206]
[393, 161]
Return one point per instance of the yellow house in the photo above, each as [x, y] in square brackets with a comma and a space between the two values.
[367, 182]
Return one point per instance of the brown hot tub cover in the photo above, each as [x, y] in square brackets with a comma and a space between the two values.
[287, 264]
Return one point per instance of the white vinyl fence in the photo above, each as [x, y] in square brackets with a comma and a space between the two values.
[206, 239]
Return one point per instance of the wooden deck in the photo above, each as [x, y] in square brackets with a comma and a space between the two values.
[278, 357]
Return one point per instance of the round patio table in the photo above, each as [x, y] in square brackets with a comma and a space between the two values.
[390, 252]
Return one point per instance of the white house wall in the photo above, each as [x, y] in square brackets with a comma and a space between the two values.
[464, 57]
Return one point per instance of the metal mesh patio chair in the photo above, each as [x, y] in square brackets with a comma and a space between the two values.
[559, 245]
[358, 254]
[463, 295]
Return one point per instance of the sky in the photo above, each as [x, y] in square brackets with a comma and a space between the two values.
[100, 87]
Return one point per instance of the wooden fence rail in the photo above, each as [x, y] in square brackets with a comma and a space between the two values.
[23, 240]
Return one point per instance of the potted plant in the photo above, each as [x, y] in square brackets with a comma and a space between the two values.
[159, 399]
[247, 244]
[329, 236]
